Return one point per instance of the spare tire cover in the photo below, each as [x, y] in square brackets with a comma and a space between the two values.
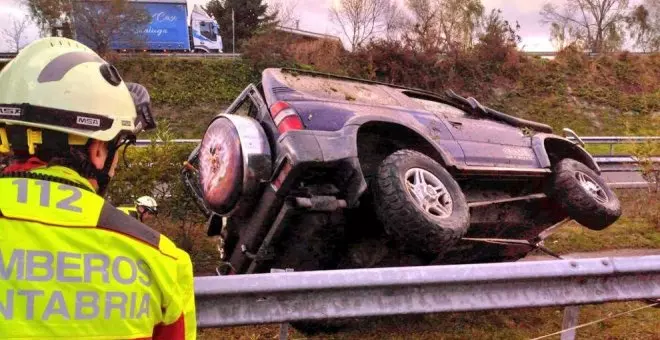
[221, 166]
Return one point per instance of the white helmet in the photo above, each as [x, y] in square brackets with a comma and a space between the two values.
[148, 203]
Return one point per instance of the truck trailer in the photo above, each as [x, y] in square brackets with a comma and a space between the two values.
[167, 31]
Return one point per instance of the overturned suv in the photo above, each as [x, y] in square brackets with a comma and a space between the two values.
[311, 171]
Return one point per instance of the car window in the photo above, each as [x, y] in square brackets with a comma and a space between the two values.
[440, 108]
[247, 109]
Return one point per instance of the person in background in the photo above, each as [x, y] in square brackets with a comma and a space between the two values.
[144, 210]
[72, 266]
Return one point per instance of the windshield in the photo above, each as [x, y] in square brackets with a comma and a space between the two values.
[208, 30]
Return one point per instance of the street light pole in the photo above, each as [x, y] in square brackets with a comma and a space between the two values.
[233, 32]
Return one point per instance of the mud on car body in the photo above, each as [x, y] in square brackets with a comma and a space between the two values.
[312, 171]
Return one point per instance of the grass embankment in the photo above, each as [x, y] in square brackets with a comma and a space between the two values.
[608, 95]
[187, 93]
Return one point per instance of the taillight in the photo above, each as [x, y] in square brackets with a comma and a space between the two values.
[285, 117]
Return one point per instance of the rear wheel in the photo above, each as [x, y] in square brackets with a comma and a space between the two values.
[419, 203]
[584, 195]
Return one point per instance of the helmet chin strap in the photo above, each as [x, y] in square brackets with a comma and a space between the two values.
[103, 175]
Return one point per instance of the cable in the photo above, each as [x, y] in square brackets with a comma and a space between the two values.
[597, 321]
[504, 242]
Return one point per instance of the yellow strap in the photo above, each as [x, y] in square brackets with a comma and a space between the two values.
[34, 137]
[4, 141]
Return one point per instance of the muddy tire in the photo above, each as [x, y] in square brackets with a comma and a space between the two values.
[420, 204]
[584, 195]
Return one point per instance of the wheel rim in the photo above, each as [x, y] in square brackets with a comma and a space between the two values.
[592, 187]
[429, 193]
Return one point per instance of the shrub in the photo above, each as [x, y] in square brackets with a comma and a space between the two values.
[279, 49]
[154, 170]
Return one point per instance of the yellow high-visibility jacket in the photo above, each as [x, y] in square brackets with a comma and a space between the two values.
[74, 267]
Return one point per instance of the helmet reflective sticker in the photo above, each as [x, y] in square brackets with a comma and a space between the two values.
[60, 66]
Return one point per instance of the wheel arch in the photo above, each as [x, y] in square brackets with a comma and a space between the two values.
[377, 139]
[551, 149]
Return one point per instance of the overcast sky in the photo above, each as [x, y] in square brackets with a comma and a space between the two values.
[314, 16]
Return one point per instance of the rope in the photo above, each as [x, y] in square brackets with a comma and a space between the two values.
[597, 321]
[504, 241]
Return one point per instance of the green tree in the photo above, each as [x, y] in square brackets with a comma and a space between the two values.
[444, 25]
[100, 22]
[97, 21]
[51, 14]
[251, 16]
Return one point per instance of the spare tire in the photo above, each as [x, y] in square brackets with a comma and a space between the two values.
[584, 195]
[419, 203]
[234, 159]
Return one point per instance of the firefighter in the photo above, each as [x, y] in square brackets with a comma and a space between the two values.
[144, 209]
[71, 265]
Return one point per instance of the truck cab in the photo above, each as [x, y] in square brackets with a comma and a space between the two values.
[204, 32]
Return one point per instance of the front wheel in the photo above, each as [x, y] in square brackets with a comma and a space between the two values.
[584, 195]
[419, 203]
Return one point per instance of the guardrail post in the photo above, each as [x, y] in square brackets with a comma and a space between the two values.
[571, 314]
[284, 326]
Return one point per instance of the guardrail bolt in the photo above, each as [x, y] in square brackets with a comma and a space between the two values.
[574, 264]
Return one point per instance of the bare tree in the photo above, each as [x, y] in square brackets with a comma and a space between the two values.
[644, 26]
[360, 20]
[458, 20]
[285, 12]
[595, 24]
[444, 25]
[395, 21]
[98, 22]
[423, 32]
[15, 34]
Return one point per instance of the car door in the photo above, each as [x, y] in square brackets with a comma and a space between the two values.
[488, 143]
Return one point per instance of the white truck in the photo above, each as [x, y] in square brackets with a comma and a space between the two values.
[204, 32]
[167, 31]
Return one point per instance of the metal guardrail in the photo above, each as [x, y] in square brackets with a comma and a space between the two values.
[618, 139]
[285, 297]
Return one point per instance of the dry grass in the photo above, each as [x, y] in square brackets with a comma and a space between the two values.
[639, 227]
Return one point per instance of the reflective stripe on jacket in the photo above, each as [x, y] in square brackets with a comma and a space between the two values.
[130, 211]
[72, 267]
